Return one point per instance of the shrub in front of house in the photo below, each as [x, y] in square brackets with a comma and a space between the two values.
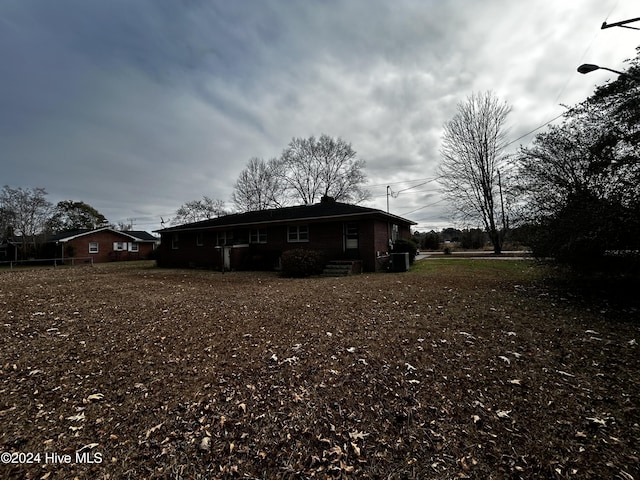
[301, 262]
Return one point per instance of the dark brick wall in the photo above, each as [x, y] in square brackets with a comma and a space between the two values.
[324, 236]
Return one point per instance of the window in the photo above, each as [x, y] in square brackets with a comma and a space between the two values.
[174, 241]
[351, 236]
[199, 239]
[133, 247]
[93, 247]
[119, 246]
[258, 235]
[298, 233]
[224, 238]
[395, 233]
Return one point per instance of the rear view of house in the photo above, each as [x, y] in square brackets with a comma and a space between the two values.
[256, 240]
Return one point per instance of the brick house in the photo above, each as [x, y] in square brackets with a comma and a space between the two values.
[102, 245]
[256, 240]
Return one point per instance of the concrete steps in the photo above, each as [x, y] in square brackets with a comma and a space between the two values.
[342, 268]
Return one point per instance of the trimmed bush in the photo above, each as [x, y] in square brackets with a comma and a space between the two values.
[301, 262]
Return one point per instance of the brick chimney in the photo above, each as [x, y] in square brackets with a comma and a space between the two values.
[327, 199]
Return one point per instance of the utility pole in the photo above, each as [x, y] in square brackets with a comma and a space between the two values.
[388, 190]
[504, 223]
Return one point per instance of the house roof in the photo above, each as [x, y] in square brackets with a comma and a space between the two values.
[318, 211]
[137, 236]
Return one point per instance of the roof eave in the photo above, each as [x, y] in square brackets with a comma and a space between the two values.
[73, 237]
[193, 227]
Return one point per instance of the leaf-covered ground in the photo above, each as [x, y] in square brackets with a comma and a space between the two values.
[458, 369]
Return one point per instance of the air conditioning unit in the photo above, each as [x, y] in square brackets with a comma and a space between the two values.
[400, 262]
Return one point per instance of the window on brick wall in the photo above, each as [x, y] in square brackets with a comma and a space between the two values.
[258, 235]
[224, 238]
[298, 233]
[93, 247]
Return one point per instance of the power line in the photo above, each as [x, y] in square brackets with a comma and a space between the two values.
[537, 128]
[394, 194]
[425, 206]
[419, 185]
[397, 183]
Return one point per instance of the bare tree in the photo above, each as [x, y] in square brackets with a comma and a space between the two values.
[26, 213]
[197, 210]
[260, 186]
[472, 153]
[313, 168]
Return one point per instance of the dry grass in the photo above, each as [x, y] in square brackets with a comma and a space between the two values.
[458, 369]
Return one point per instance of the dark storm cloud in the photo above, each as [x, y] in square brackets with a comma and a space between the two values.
[141, 106]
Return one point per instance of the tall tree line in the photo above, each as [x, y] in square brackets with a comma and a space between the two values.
[307, 170]
[575, 190]
[580, 180]
[27, 215]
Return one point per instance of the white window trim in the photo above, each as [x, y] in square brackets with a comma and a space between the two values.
[134, 247]
[94, 247]
[224, 238]
[258, 235]
[295, 229]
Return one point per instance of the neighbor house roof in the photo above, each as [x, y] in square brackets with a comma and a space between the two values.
[136, 236]
[318, 211]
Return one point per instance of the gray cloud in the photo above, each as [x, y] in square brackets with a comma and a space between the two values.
[138, 107]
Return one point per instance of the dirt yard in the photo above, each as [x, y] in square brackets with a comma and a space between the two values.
[459, 369]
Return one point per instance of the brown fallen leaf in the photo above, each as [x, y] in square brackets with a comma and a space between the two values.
[356, 449]
[77, 418]
[153, 429]
[357, 435]
[205, 444]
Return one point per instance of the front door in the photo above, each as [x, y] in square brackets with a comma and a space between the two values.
[351, 240]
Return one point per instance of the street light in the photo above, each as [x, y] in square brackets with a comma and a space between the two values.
[590, 67]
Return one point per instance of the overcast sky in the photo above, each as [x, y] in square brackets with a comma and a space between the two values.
[136, 107]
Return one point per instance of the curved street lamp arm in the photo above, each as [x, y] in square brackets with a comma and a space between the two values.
[623, 23]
